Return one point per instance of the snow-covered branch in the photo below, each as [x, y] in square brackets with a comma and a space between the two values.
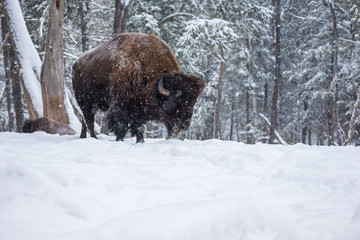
[282, 141]
[176, 15]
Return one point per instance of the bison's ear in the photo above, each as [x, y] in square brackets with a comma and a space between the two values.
[161, 87]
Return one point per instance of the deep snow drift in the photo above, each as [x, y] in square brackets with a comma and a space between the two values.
[54, 187]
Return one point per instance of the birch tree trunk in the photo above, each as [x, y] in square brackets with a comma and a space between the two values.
[52, 74]
[274, 108]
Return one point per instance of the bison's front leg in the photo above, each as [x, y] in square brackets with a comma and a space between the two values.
[121, 131]
[83, 129]
[118, 123]
[89, 115]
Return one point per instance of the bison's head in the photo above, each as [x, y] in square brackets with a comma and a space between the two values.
[177, 94]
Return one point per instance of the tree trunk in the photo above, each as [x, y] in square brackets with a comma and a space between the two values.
[83, 23]
[6, 53]
[219, 95]
[52, 74]
[232, 120]
[332, 111]
[209, 126]
[237, 121]
[305, 129]
[122, 8]
[16, 92]
[353, 118]
[274, 108]
[253, 78]
[266, 87]
[26, 56]
[298, 122]
[247, 106]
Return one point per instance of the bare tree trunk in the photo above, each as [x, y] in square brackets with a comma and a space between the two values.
[237, 122]
[219, 95]
[305, 129]
[209, 126]
[121, 15]
[232, 120]
[247, 106]
[6, 53]
[274, 108]
[83, 23]
[16, 92]
[26, 56]
[253, 77]
[265, 106]
[11, 125]
[298, 122]
[266, 92]
[332, 111]
[353, 117]
[52, 74]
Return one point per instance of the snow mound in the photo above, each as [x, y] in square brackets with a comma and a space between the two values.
[63, 187]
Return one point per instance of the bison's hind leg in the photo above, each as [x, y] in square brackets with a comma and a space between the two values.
[89, 115]
[137, 130]
[120, 131]
[117, 123]
[83, 129]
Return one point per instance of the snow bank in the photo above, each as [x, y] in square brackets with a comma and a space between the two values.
[63, 187]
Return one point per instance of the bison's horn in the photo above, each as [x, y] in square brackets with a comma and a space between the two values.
[163, 90]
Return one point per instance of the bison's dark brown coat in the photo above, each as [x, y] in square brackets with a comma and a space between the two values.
[137, 78]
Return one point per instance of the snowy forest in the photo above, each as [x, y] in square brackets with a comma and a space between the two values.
[275, 71]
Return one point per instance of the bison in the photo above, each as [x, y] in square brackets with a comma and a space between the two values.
[136, 78]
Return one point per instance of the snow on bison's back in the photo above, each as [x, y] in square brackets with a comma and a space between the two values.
[137, 78]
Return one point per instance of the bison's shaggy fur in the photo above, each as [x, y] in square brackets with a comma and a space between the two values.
[47, 125]
[137, 78]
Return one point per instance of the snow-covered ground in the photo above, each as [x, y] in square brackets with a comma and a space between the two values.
[54, 187]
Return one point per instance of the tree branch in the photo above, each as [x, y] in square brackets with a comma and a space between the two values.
[165, 19]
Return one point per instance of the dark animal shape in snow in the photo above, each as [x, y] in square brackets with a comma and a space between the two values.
[47, 125]
[137, 78]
